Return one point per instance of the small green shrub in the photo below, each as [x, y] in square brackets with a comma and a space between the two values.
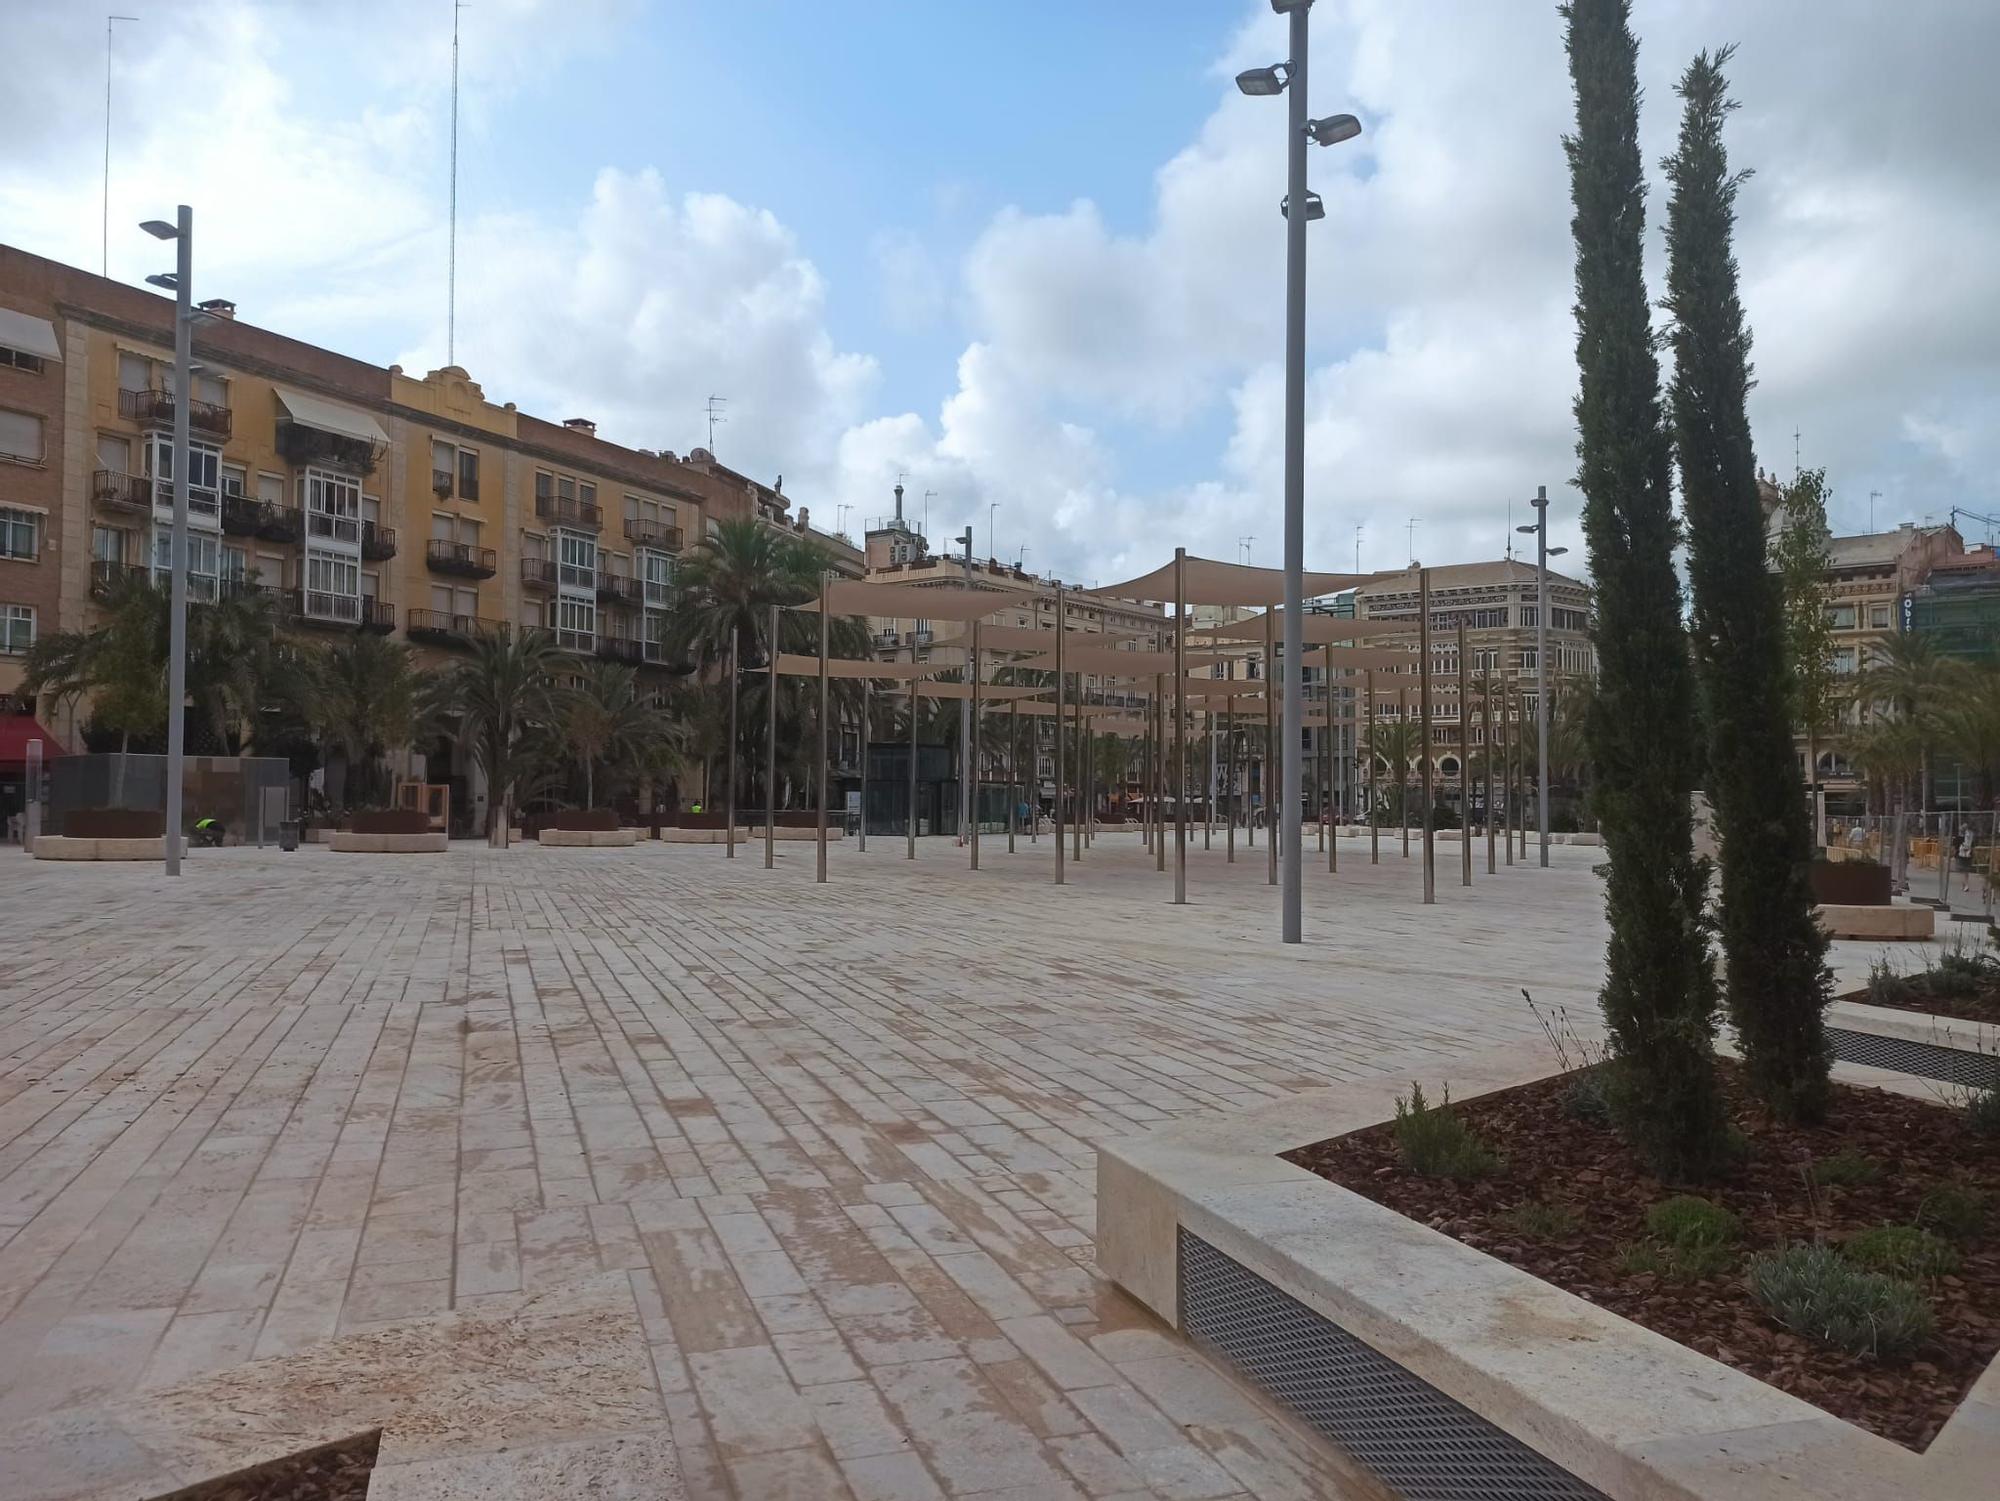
[1538, 1221]
[1845, 1169]
[1815, 1292]
[1956, 1210]
[1684, 1263]
[1982, 1111]
[1888, 987]
[1587, 1097]
[1688, 1222]
[1901, 1251]
[1435, 1143]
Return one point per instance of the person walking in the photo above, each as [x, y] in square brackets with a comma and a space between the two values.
[1965, 857]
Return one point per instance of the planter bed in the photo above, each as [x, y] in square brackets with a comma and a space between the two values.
[588, 838]
[1932, 1044]
[71, 847]
[1462, 1361]
[357, 842]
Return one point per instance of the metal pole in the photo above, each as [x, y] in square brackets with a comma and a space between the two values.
[771, 747]
[1403, 771]
[965, 771]
[1013, 770]
[1486, 711]
[1542, 666]
[1180, 726]
[1424, 718]
[1272, 751]
[972, 753]
[820, 875]
[916, 708]
[861, 823]
[1464, 762]
[1507, 770]
[1082, 772]
[729, 769]
[1291, 895]
[1208, 806]
[1061, 631]
[1159, 787]
[1327, 832]
[178, 561]
[1229, 813]
[1374, 825]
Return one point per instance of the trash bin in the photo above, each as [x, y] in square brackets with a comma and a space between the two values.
[288, 835]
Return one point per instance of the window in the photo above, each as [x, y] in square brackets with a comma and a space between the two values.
[234, 479]
[20, 359]
[235, 564]
[333, 587]
[468, 473]
[1530, 615]
[441, 598]
[212, 389]
[656, 569]
[576, 623]
[1529, 659]
[204, 473]
[109, 544]
[19, 534]
[576, 558]
[333, 506]
[17, 629]
[114, 453]
[204, 558]
[20, 437]
[1569, 620]
[1843, 660]
[1878, 617]
[565, 488]
[586, 493]
[135, 372]
[271, 489]
[1840, 617]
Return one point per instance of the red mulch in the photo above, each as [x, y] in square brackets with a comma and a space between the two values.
[1981, 1006]
[1552, 1157]
[332, 1472]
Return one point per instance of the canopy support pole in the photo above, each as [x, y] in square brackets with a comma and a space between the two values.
[1403, 776]
[1229, 812]
[729, 771]
[1374, 823]
[972, 756]
[820, 874]
[1061, 631]
[1159, 787]
[1464, 763]
[1014, 798]
[1486, 761]
[1507, 769]
[861, 823]
[1208, 803]
[771, 751]
[1273, 752]
[1329, 835]
[1180, 726]
[1424, 718]
[916, 709]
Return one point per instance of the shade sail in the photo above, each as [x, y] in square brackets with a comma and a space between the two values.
[988, 694]
[1364, 658]
[792, 664]
[1207, 581]
[30, 335]
[1317, 630]
[330, 416]
[913, 601]
[1112, 660]
[1026, 637]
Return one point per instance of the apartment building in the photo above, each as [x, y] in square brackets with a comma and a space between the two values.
[360, 497]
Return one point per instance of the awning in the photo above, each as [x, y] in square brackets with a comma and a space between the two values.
[330, 416]
[16, 730]
[29, 334]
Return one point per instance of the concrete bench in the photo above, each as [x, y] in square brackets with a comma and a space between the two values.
[589, 838]
[344, 841]
[61, 847]
[1889, 924]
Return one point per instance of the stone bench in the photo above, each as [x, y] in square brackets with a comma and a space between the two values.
[589, 838]
[61, 847]
[1889, 924]
[346, 842]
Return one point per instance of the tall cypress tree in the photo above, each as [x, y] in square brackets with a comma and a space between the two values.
[1659, 995]
[1774, 954]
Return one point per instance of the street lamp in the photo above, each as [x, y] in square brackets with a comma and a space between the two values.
[1543, 552]
[1263, 82]
[181, 232]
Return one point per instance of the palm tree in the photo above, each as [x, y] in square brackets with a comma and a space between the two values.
[1966, 723]
[362, 696]
[1887, 753]
[1913, 679]
[1395, 745]
[500, 703]
[607, 721]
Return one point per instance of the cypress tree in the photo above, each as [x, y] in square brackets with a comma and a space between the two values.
[1774, 954]
[1659, 995]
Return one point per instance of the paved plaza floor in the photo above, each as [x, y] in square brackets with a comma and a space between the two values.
[813, 1164]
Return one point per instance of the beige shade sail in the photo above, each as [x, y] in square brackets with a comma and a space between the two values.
[792, 664]
[912, 601]
[1318, 630]
[1015, 638]
[987, 692]
[1364, 658]
[1207, 581]
[1118, 662]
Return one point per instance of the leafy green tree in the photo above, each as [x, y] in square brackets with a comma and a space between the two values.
[361, 695]
[1802, 552]
[500, 703]
[1774, 954]
[1914, 682]
[1659, 996]
[610, 722]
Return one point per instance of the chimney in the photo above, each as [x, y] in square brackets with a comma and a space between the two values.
[899, 500]
[581, 425]
[218, 307]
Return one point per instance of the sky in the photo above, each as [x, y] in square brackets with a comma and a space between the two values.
[1028, 256]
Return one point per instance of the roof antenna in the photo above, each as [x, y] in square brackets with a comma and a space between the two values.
[1357, 549]
[451, 253]
[714, 407]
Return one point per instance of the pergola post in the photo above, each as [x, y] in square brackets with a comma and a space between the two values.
[1229, 784]
[1464, 763]
[1403, 773]
[916, 710]
[861, 823]
[1507, 771]
[1486, 761]
[1082, 773]
[824, 627]
[972, 755]
[1180, 726]
[1328, 834]
[1061, 631]
[729, 767]
[771, 747]
[1424, 718]
[1374, 827]
[1013, 771]
[1159, 789]
[1272, 750]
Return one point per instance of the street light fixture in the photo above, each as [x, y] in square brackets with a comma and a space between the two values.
[181, 232]
[1291, 75]
[1539, 528]
[1315, 207]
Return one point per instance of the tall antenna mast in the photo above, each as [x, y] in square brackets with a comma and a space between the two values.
[451, 254]
[714, 408]
[104, 264]
[1796, 468]
[1357, 549]
[1412, 545]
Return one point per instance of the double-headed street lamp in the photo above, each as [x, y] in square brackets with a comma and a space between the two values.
[1543, 552]
[181, 232]
[1264, 82]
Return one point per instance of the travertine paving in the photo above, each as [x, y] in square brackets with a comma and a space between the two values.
[830, 1147]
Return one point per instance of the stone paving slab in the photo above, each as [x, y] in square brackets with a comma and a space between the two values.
[832, 1146]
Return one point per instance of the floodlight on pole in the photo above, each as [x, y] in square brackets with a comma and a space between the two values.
[1543, 552]
[159, 229]
[182, 233]
[165, 280]
[1298, 131]
[1315, 208]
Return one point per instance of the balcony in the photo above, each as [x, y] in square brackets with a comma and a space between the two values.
[561, 512]
[462, 560]
[441, 629]
[627, 649]
[122, 492]
[659, 654]
[888, 640]
[242, 586]
[335, 612]
[654, 534]
[284, 524]
[239, 515]
[441, 483]
[302, 445]
[333, 528]
[538, 573]
[378, 543]
[377, 618]
[108, 579]
[156, 409]
[616, 589]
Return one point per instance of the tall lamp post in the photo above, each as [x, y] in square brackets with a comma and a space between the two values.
[179, 282]
[968, 797]
[1264, 82]
[1543, 552]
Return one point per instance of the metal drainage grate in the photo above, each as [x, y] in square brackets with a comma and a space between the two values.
[1411, 1436]
[1927, 1060]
